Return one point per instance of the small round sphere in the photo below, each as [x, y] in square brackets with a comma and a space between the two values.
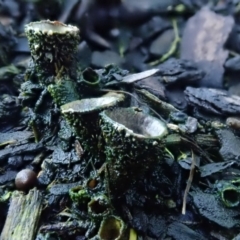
[25, 179]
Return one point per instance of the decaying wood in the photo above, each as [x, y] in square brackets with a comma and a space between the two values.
[23, 216]
[203, 42]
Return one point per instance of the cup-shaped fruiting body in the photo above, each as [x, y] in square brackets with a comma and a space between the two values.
[230, 196]
[99, 207]
[94, 184]
[113, 228]
[133, 144]
[229, 192]
[83, 116]
[90, 82]
[53, 45]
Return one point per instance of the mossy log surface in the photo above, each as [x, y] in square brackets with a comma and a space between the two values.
[23, 216]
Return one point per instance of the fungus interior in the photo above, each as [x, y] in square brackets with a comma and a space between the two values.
[231, 196]
[111, 229]
[89, 105]
[51, 26]
[137, 123]
[97, 206]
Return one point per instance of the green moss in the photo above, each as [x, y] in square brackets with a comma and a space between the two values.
[79, 195]
[64, 91]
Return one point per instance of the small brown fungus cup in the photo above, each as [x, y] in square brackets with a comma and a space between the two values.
[92, 183]
[25, 179]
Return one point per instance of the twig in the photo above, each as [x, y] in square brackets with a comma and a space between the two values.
[189, 182]
[173, 47]
[196, 146]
